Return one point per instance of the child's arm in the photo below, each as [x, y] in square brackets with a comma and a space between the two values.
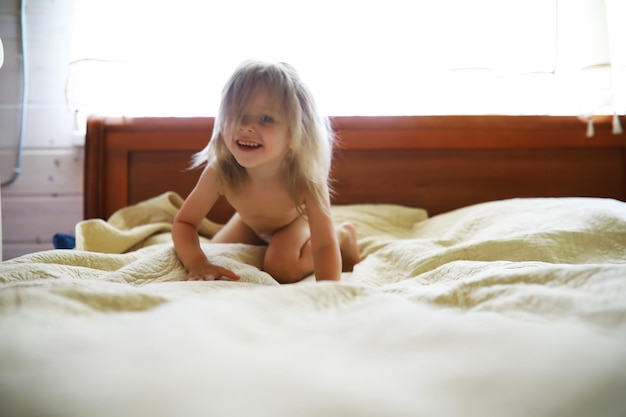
[185, 229]
[324, 243]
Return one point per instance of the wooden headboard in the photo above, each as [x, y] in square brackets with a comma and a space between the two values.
[439, 163]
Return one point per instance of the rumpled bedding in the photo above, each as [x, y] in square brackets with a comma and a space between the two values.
[507, 308]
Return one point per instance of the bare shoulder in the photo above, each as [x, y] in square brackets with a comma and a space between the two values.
[202, 197]
[210, 179]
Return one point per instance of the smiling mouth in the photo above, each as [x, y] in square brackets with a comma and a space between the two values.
[248, 145]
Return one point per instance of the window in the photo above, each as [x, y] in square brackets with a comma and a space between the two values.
[392, 57]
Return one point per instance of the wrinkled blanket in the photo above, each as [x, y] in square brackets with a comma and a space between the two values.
[507, 308]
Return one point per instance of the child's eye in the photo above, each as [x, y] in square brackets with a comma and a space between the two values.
[265, 119]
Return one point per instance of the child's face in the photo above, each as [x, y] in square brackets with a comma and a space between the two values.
[261, 138]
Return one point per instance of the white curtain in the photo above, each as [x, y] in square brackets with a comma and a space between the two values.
[593, 62]
[360, 57]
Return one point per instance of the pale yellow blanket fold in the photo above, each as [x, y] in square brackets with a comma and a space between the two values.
[136, 226]
[150, 222]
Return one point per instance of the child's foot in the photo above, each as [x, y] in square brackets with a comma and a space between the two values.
[350, 255]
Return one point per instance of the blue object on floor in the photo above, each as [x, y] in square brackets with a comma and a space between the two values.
[63, 241]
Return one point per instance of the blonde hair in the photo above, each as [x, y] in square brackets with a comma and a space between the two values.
[307, 164]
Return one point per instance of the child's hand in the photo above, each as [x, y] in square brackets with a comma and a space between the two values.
[210, 273]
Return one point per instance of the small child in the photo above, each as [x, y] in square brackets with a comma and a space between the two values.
[270, 156]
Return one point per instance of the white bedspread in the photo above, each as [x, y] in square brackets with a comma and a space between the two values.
[508, 308]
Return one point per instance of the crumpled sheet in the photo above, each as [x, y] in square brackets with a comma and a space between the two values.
[514, 307]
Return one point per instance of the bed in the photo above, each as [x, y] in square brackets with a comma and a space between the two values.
[493, 282]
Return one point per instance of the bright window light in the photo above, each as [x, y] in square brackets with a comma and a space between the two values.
[393, 57]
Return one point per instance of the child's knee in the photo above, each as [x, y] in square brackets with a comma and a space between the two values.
[283, 271]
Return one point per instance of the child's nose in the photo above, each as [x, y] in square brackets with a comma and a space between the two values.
[246, 127]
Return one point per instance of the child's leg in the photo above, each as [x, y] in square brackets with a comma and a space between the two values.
[236, 231]
[289, 258]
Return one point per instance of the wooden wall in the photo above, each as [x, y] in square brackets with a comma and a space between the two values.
[47, 196]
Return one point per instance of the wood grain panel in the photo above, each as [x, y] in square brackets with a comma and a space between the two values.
[13, 250]
[443, 180]
[38, 218]
[439, 163]
[44, 172]
[144, 166]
